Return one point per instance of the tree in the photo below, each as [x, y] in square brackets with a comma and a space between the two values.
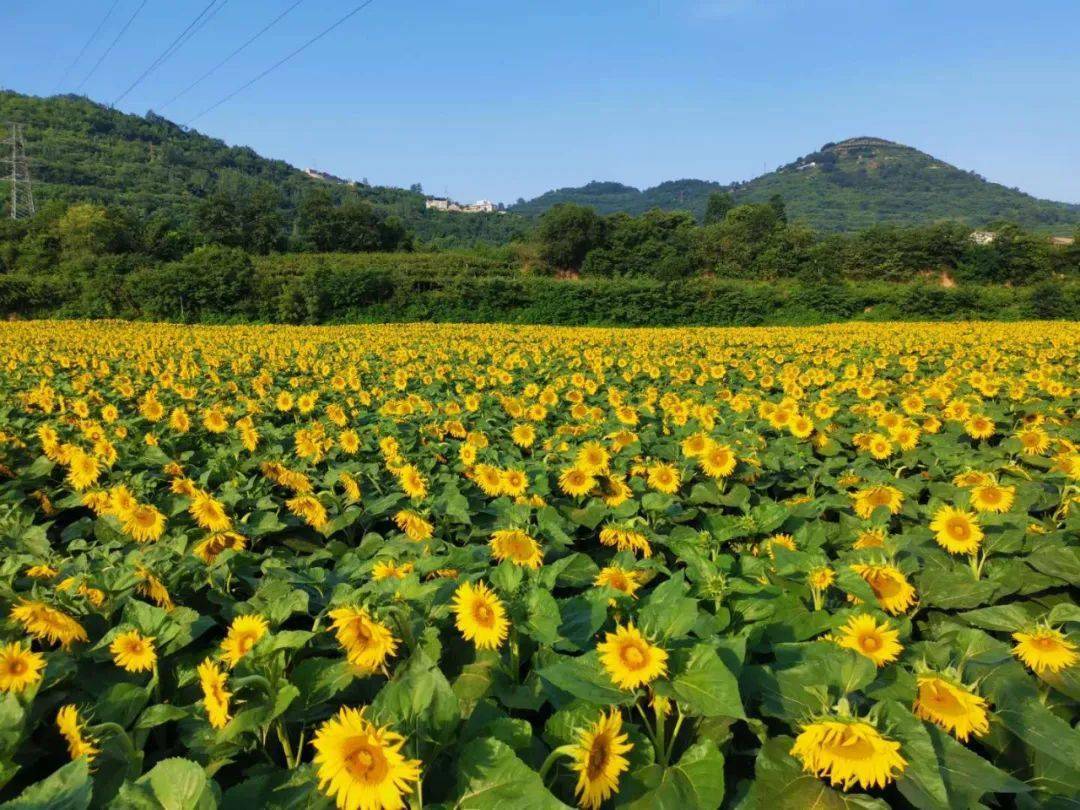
[776, 202]
[720, 202]
[567, 233]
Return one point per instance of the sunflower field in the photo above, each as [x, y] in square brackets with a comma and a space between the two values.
[376, 567]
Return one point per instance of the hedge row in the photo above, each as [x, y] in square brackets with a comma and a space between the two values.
[334, 294]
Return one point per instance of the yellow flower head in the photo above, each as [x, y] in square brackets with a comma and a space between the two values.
[576, 482]
[870, 498]
[244, 633]
[72, 728]
[360, 765]
[621, 579]
[1044, 649]
[20, 668]
[215, 696]
[630, 660]
[517, 547]
[598, 757]
[480, 616]
[992, 498]
[367, 642]
[133, 652]
[894, 593]
[848, 753]
[951, 705]
[878, 642]
[48, 623]
[956, 531]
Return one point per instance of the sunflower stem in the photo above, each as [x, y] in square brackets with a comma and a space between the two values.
[552, 758]
[674, 735]
[286, 746]
[660, 717]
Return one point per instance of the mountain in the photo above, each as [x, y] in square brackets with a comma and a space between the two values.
[83, 151]
[842, 187]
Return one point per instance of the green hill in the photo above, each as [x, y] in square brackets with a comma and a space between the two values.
[843, 187]
[83, 151]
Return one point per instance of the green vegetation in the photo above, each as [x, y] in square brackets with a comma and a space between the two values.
[846, 186]
[140, 219]
[81, 151]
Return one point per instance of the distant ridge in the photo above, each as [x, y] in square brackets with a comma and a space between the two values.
[843, 186]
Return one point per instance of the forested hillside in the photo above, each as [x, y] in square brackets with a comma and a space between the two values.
[81, 151]
[844, 186]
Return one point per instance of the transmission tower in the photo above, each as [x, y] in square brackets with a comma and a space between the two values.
[22, 192]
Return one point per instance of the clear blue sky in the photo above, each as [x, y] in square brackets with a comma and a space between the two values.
[501, 99]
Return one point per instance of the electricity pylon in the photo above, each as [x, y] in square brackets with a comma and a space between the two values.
[22, 191]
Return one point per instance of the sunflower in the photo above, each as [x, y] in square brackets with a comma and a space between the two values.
[212, 545]
[523, 435]
[46, 623]
[576, 482]
[865, 636]
[621, 579]
[144, 523]
[416, 528]
[489, 479]
[870, 498]
[412, 482]
[951, 705]
[309, 509]
[209, 513]
[20, 668]
[480, 616]
[517, 547]
[848, 752]
[244, 633]
[72, 728]
[894, 593]
[1035, 441]
[215, 696]
[979, 427]
[956, 531]
[663, 478]
[153, 589]
[992, 498]
[387, 569]
[718, 461]
[133, 652]
[1045, 649]
[625, 540]
[367, 643]
[598, 758]
[514, 483]
[870, 538]
[592, 458]
[782, 540]
[360, 765]
[630, 660]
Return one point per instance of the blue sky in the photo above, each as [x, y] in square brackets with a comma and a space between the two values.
[501, 99]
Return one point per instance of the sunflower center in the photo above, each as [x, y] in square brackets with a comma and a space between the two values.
[484, 615]
[1045, 643]
[885, 586]
[16, 667]
[849, 746]
[598, 758]
[633, 656]
[365, 761]
[959, 529]
[870, 643]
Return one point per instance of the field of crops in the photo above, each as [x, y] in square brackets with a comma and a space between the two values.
[493, 567]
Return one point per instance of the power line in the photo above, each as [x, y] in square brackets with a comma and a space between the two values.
[282, 61]
[173, 47]
[86, 45]
[112, 45]
[232, 55]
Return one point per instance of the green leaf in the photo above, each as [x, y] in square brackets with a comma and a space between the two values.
[667, 612]
[705, 687]
[420, 695]
[921, 782]
[159, 715]
[696, 781]
[319, 679]
[967, 776]
[68, 788]
[780, 777]
[491, 777]
[584, 678]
